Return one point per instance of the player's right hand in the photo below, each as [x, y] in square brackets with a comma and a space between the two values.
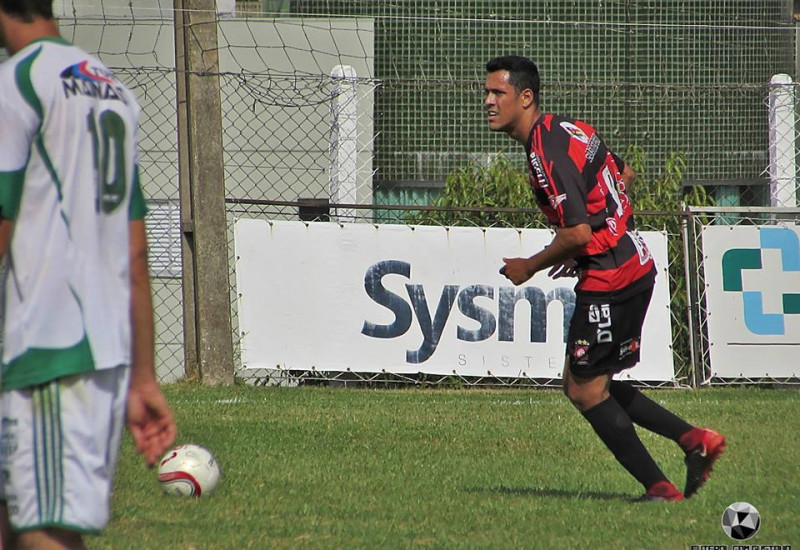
[516, 270]
[150, 421]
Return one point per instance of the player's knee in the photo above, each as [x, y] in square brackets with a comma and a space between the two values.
[584, 396]
[578, 398]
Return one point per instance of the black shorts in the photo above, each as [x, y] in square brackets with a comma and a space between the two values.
[605, 333]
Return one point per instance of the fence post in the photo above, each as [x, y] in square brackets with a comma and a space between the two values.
[208, 343]
[782, 140]
[344, 140]
[689, 272]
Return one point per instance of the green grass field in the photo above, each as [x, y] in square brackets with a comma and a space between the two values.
[377, 469]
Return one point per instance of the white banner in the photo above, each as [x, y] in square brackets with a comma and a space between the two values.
[753, 298]
[400, 299]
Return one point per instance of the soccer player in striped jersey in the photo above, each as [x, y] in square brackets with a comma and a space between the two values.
[581, 185]
[78, 358]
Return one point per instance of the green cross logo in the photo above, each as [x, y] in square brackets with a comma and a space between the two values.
[736, 260]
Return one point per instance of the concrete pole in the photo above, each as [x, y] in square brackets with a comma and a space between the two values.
[207, 306]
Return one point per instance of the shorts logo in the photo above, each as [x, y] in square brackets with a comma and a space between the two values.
[600, 315]
[8, 439]
[629, 347]
[575, 132]
[736, 260]
[580, 352]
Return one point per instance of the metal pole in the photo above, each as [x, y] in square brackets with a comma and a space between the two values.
[344, 138]
[685, 216]
[782, 140]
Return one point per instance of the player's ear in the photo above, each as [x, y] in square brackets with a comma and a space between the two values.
[527, 97]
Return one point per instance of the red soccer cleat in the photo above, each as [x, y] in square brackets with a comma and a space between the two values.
[703, 448]
[663, 491]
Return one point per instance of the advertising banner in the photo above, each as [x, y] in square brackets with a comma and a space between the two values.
[752, 278]
[413, 299]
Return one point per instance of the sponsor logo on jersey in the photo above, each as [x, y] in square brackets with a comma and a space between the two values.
[591, 149]
[575, 132]
[538, 170]
[556, 200]
[641, 247]
[84, 71]
[82, 79]
[611, 223]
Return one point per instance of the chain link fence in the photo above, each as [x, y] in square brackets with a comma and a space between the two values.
[358, 110]
[139, 47]
[706, 286]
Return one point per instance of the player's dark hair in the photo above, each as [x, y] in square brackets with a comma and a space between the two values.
[27, 10]
[523, 73]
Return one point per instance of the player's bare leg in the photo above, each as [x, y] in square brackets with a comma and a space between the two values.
[585, 393]
[5, 527]
[50, 539]
[614, 427]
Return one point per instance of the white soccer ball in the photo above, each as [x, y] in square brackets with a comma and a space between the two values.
[188, 471]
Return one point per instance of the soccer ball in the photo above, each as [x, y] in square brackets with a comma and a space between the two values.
[188, 471]
[741, 521]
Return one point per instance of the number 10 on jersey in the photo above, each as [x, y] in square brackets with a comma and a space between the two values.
[108, 147]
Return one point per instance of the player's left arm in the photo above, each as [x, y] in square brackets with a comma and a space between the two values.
[6, 229]
[627, 173]
[149, 417]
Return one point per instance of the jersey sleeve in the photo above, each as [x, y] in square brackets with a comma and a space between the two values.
[138, 206]
[569, 195]
[16, 140]
[137, 209]
[620, 163]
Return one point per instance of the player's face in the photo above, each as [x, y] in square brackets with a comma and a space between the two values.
[503, 103]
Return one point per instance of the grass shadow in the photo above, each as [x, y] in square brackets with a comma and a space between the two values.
[554, 493]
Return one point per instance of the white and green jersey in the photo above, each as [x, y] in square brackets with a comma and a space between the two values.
[68, 180]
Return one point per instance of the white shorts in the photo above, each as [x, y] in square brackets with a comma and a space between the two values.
[59, 444]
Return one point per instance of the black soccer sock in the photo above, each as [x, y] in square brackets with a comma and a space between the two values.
[647, 413]
[614, 426]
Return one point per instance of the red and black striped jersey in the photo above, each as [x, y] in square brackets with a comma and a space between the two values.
[576, 179]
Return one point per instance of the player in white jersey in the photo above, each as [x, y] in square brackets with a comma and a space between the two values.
[78, 357]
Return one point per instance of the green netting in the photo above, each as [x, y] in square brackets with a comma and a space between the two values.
[669, 75]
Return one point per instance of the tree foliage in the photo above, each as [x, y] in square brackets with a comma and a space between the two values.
[470, 190]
